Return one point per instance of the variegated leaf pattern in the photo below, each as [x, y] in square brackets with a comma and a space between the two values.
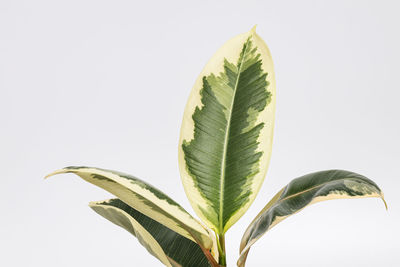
[302, 192]
[146, 199]
[227, 130]
[169, 247]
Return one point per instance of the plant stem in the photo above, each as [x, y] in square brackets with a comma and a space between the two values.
[221, 249]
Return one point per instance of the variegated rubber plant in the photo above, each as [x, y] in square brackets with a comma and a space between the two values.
[224, 152]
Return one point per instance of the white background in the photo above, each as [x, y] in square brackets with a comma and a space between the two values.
[104, 83]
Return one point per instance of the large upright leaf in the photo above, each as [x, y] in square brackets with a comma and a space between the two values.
[169, 247]
[302, 192]
[227, 129]
[145, 199]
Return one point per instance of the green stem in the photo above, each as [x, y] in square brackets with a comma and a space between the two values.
[221, 249]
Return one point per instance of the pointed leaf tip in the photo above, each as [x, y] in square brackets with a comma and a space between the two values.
[384, 201]
[253, 30]
[54, 173]
[146, 199]
[302, 192]
[227, 129]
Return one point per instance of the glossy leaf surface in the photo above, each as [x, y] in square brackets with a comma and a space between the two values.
[169, 247]
[302, 192]
[227, 130]
[146, 199]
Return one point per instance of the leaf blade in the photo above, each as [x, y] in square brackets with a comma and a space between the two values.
[227, 130]
[146, 199]
[302, 192]
[122, 219]
[176, 249]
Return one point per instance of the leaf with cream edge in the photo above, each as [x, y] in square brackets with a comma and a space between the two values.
[169, 247]
[146, 199]
[302, 192]
[226, 135]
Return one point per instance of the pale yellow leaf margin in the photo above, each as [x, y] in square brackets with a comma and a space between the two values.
[245, 246]
[138, 196]
[135, 228]
[229, 51]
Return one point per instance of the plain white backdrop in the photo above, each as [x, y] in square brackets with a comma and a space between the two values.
[104, 83]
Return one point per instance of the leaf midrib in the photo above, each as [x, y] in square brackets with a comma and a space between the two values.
[307, 190]
[187, 226]
[225, 147]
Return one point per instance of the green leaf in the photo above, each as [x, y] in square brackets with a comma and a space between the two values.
[146, 199]
[227, 130]
[302, 192]
[169, 247]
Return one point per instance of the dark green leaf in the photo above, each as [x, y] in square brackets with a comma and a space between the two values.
[181, 250]
[304, 191]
